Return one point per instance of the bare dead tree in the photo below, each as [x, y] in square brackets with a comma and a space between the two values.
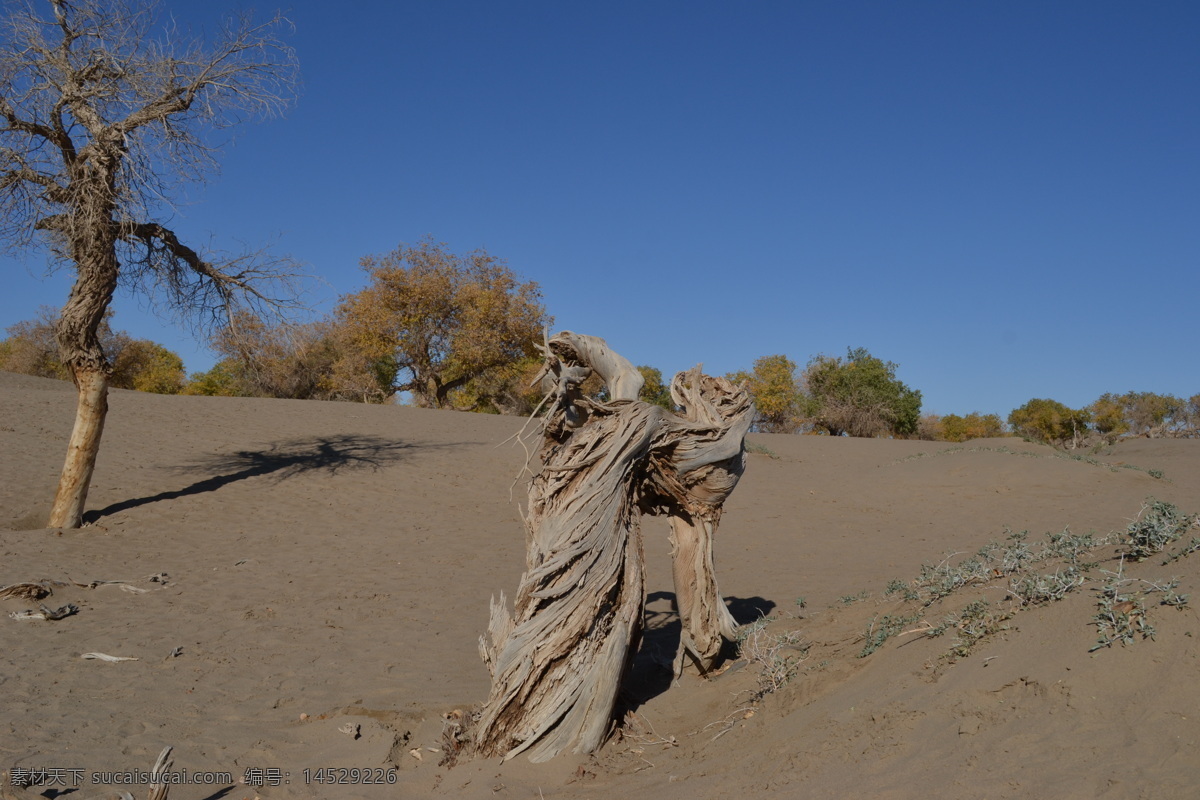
[557, 660]
[104, 114]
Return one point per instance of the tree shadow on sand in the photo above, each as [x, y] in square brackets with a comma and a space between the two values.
[279, 460]
[652, 671]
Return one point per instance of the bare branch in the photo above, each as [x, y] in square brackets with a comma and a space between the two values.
[54, 191]
[212, 287]
[103, 115]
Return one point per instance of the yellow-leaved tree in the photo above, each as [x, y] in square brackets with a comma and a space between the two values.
[778, 400]
[433, 321]
[975, 425]
[140, 364]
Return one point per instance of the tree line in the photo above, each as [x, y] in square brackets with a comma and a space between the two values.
[860, 395]
[461, 332]
[444, 330]
[105, 114]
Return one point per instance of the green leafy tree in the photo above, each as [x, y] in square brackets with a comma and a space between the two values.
[220, 381]
[655, 391]
[443, 319]
[1051, 422]
[778, 400]
[860, 396]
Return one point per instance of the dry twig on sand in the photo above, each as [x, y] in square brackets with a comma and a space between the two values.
[45, 613]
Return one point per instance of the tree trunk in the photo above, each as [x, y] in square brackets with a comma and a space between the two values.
[69, 500]
[93, 246]
[557, 661]
[705, 622]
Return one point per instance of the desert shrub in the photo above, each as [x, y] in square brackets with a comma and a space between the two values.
[1034, 589]
[761, 449]
[1012, 557]
[851, 599]
[936, 581]
[220, 381]
[880, 629]
[147, 367]
[140, 364]
[977, 621]
[1192, 546]
[1051, 422]
[777, 656]
[930, 428]
[1158, 525]
[973, 426]
[1121, 609]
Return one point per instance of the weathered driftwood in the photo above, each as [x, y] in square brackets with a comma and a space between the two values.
[557, 660]
[160, 789]
[46, 613]
[23, 786]
[36, 590]
[106, 657]
[29, 590]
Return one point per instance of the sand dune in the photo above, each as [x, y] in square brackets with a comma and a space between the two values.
[336, 561]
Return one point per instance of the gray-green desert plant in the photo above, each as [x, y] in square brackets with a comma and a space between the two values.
[880, 629]
[1122, 615]
[1032, 588]
[1157, 526]
[976, 622]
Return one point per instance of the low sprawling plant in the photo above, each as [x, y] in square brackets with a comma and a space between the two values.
[1157, 526]
[880, 629]
[777, 656]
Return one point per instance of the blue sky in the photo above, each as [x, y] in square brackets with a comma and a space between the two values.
[1001, 197]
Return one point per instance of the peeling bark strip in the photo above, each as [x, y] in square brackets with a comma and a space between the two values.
[557, 661]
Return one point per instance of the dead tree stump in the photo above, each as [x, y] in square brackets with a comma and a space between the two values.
[557, 661]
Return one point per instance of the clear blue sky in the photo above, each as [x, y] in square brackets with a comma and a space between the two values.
[1001, 197]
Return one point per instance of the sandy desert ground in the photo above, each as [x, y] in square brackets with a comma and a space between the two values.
[304, 569]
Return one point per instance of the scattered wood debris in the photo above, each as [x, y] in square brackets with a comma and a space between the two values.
[106, 657]
[46, 613]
